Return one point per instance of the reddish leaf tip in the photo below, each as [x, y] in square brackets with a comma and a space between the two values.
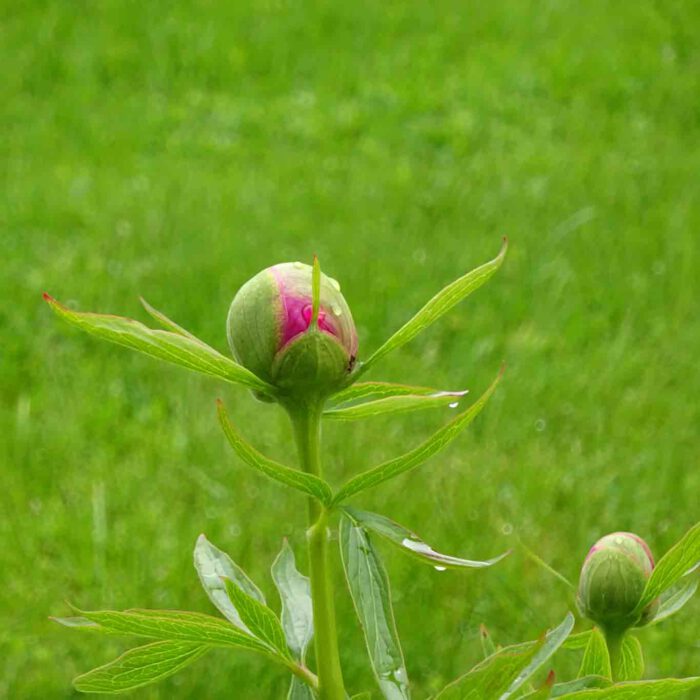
[47, 297]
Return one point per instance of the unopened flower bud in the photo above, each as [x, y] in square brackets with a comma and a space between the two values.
[613, 578]
[270, 331]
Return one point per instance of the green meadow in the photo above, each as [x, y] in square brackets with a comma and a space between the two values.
[172, 150]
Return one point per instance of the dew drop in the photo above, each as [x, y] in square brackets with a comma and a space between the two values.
[454, 404]
[507, 529]
[337, 311]
[440, 568]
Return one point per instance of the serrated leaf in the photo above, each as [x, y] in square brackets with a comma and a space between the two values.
[309, 484]
[176, 348]
[140, 666]
[631, 665]
[213, 565]
[298, 690]
[371, 596]
[297, 607]
[673, 600]
[440, 304]
[393, 404]
[660, 689]
[382, 390]
[596, 659]
[410, 460]
[675, 564]
[258, 618]
[409, 543]
[175, 625]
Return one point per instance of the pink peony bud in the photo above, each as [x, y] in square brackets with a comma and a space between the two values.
[270, 331]
[612, 581]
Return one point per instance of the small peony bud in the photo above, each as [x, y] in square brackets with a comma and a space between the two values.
[612, 581]
[270, 331]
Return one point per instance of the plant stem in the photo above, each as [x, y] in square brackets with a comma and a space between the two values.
[614, 644]
[307, 432]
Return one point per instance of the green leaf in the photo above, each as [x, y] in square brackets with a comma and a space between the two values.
[175, 625]
[382, 390]
[258, 618]
[502, 674]
[394, 404]
[298, 690]
[167, 323]
[369, 588]
[297, 608]
[309, 484]
[440, 304]
[77, 623]
[677, 562]
[362, 696]
[140, 666]
[544, 691]
[578, 641]
[639, 690]
[414, 458]
[179, 349]
[561, 689]
[213, 565]
[631, 666]
[487, 644]
[673, 600]
[410, 543]
[596, 659]
[552, 642]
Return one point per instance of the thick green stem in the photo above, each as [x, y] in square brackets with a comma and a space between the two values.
[614, 644]
[307, 432]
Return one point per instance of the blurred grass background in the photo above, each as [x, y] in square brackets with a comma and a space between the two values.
[174, 149]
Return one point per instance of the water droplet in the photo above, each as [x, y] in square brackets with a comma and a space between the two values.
[540, 425]
[507, 529]
[440, 568]
[298, 265]
[337, 311]
[454, 404]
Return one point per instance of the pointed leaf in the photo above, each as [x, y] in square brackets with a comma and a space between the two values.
[639, 690]
[487, 645]
[410, 460]
[167, 323]
[631, 666]
[176, 625]
[440, 304]
[596, 659]
[309, 484]
[675, 564]
[561, 689]
[552, 642]
[172, 347]
[382, 390]
[369, 588]
[297, 608]
[298, 690]
[674, 600]
[212, 566]
[544, 691]
[77, 623]
[410, 543]
[394, 404]
[258, 618]
[140, 666]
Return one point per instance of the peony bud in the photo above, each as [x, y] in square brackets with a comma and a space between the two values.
[612, 581]
[270, 331]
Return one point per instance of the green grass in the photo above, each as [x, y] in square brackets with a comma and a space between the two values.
[174, 149]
